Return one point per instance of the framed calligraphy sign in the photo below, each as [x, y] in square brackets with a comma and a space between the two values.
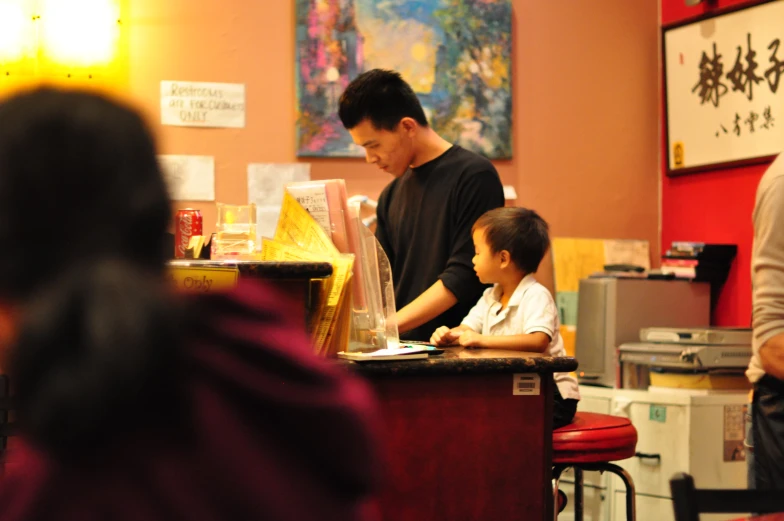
[724, 89]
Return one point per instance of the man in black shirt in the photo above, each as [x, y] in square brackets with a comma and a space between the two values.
[425, 214]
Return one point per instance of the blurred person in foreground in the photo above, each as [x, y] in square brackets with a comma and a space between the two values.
[133, 402]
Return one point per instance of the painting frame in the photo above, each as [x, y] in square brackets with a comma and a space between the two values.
[466, 91]
[669, 152]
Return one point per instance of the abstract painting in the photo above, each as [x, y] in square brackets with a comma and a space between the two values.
[456, 54]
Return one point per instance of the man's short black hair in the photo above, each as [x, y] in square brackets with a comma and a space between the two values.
[382, 97]
[520, 231]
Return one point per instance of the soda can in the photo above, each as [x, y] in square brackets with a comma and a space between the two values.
[188, 223]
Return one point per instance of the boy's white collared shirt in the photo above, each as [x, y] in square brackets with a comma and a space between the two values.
[531, 309]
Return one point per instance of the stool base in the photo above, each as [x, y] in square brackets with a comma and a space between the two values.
[558, 469]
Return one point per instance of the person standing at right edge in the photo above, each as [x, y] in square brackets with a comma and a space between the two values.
[766, 369]
[426, 213]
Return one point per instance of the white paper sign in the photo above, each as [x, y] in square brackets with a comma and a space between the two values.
[313, 198]
[725, 90]
[265, 188]
[189, 178]
[192, 104]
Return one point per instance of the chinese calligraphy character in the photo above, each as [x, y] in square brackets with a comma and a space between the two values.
[766, 114]
[736, 128]
[776, 69]
[723, 129]
[741, 77]
[753, 116]
[710, 85]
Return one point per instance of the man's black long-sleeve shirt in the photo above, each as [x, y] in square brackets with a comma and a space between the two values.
[424, 225]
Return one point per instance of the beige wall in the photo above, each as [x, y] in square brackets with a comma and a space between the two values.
[585, 103]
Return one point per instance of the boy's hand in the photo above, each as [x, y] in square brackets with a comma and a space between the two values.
[443, 336]
[470, 338]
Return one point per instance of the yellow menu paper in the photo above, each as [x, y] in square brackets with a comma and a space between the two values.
[297, 226]
[334, 289]
[338, 303]
[298, 237]
[272, 250]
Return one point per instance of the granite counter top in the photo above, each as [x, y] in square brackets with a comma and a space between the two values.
[459, 361]
[264, 269]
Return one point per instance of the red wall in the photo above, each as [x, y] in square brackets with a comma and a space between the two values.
[712, 206]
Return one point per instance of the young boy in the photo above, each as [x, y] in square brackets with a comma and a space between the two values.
[517, 313]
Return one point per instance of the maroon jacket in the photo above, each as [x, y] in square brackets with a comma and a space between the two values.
[276, 434]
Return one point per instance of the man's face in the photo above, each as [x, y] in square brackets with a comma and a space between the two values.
[389, 150]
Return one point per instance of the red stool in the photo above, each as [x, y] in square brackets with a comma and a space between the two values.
[590, 443]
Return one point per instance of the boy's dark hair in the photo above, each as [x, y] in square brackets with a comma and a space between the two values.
[520, 231]
[381, 96]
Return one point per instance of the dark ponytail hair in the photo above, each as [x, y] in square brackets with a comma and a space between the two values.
[83, 216]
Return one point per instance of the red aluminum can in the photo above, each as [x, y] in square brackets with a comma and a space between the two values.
[188, 223]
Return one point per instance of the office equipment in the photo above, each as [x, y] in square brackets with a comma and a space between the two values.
[708, 358]
[611, 311]
[699, 432]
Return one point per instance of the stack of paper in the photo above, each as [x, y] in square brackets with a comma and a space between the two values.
[403, 353]
[327, 202]
[299, 237]
[316, 223]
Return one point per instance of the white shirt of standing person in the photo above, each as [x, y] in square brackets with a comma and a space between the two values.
[767, 264]
[531, 309]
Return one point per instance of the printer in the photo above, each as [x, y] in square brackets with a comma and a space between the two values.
[665, 354]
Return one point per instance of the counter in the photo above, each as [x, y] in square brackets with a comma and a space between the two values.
[299, 280]
[462, 442]
[456, 362]
[263, 269]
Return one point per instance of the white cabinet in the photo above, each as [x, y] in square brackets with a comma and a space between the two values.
[678, 431]
[693, 431]
[648, 507]
[661, 449]
[596, 500]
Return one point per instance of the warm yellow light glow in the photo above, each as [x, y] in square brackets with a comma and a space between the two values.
[79, 32]
[14, 26]
[419, 52]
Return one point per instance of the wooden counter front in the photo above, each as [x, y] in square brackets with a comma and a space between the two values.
[461, 443]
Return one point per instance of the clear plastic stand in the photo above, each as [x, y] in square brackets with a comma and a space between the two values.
[373, 326]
